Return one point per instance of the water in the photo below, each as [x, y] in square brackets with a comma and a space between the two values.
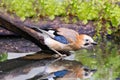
[105, 57]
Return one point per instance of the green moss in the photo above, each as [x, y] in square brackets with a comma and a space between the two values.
[3, 56]
[105, 13]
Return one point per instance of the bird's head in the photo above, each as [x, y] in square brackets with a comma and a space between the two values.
[87, 73]
[87, 41]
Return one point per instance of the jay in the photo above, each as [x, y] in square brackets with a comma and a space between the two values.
[64, 39]
[67, 70]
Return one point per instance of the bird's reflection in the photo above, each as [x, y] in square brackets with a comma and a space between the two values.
[66, 69]
[43, 67]
[61, 69]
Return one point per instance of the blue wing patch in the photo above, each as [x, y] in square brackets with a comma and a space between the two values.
[61, 73]
[61, 39]
[55, 75]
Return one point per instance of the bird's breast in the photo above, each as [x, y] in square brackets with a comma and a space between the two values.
[57, 45]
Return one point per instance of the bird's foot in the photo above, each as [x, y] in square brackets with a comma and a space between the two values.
[60, 56]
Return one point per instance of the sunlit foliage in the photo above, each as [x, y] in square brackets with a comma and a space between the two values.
[3, 56]
[104, 13]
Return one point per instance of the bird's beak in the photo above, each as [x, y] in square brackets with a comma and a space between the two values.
[93, 70]
[94, 43]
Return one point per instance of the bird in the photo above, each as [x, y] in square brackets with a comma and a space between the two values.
[67, 70]
[65, 39]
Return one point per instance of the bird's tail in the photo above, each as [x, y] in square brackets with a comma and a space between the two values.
[45, 33]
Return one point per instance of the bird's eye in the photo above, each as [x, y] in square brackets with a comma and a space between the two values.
[86, 40]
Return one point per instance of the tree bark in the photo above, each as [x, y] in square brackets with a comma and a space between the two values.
[16, 25]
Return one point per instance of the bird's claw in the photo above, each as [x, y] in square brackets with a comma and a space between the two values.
[61, 56]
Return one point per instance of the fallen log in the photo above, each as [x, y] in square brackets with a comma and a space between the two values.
[17, 26]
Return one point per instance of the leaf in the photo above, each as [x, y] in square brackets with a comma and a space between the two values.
[52, 17]
[85, 21]
[3, 57]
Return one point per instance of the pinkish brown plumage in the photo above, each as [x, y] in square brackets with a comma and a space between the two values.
[64, 39]
[74, 70]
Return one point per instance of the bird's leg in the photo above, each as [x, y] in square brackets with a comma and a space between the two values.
[59, 54]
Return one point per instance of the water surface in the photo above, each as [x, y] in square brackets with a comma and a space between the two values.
[105, 57]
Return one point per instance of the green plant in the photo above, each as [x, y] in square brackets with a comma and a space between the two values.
[22, 8]
[109, 18]
[104, 13]
[3, 57]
